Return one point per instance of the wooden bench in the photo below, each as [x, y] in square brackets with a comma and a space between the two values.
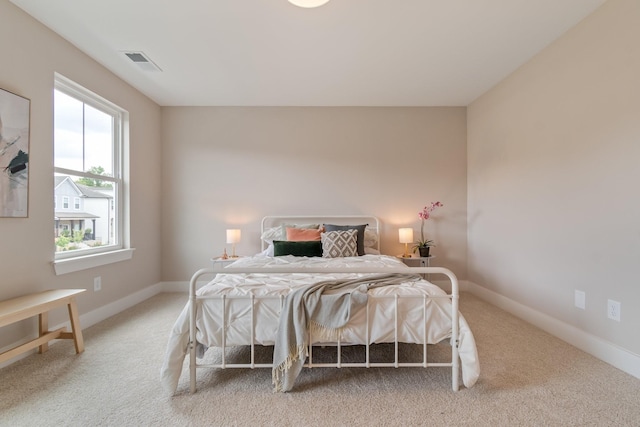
[41, 303]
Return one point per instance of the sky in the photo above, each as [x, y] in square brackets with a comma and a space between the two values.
[71, 150]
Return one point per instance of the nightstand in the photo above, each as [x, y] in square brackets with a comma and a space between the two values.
[418, 262]
[223, 262]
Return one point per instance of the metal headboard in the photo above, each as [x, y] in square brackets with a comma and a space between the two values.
[372, 222]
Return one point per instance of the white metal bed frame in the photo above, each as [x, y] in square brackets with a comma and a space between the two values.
[454, 364]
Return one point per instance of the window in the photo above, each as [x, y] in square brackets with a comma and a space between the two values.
[89, 151]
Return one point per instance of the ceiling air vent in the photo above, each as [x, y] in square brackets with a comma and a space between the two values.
[142, 61]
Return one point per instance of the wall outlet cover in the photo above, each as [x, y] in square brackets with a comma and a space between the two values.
[613, 310]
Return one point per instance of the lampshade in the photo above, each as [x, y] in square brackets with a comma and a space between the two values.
[233, 235]
[308, 3]
[406, 235]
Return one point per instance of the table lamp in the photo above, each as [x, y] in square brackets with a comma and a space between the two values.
[233, 237]
[406, 237]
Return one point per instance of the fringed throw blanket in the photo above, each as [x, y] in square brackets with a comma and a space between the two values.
[311, 308]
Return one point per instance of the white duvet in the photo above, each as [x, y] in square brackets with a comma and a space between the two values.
[238, 312]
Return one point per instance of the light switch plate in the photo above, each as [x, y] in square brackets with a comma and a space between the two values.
[580, 299]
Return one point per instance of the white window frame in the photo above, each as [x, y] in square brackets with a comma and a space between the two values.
[76, 203]
[70, 261]
[65, 202]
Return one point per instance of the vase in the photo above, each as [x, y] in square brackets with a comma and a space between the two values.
[424, 251]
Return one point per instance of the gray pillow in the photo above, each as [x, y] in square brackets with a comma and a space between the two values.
[359, 235]
[337, 244]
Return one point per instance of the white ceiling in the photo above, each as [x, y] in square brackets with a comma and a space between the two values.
[345, 53]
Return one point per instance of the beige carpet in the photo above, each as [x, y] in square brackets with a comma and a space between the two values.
[528, 378]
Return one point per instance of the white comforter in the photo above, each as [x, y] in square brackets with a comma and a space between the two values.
[238, 317]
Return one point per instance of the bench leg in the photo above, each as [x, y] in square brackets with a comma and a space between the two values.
[43, 328]
[75, 326]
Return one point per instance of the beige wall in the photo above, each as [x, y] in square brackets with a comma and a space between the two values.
[227, 167]
[30, 56]
[541, 177]
[554, 177]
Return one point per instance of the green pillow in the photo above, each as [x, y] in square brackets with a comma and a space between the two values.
[302, 248]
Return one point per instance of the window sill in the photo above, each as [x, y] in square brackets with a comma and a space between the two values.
[64, 266]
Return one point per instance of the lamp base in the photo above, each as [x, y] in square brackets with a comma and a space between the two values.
[406, 253]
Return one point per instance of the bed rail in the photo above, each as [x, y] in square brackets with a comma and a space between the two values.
[453, 296]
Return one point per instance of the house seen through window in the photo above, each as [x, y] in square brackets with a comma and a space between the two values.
[88, 150]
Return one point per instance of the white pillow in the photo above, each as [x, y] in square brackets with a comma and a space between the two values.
[269, 251]
[370, 239]
[280, 232]
[271, 234]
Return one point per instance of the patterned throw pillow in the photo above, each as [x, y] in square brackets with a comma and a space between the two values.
[359, 236]
[337, 244]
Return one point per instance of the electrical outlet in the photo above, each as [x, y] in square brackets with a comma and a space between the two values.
[613, 310]
[580, 299]
[97, 284]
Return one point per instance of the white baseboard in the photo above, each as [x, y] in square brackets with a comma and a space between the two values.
[446, 285]
[175, 287]
[602, 349]
[113, 308]
[181, 286]
[94, 316]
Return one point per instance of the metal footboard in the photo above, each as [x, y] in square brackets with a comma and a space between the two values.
[422, 299]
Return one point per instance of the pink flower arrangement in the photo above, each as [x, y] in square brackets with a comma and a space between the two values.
[424, 215]
[426, 211]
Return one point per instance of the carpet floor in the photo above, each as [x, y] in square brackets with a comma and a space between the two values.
[528, 378]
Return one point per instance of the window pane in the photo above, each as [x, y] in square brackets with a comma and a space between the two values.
[68, 129]
[90, 221]
[98, 142]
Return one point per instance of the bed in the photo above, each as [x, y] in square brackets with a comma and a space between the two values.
[246, 302]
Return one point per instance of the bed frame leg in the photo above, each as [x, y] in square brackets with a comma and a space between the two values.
[192, 367]
[455, 369]
[192, 332]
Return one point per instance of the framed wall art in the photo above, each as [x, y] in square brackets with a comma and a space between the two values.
[14, 155]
